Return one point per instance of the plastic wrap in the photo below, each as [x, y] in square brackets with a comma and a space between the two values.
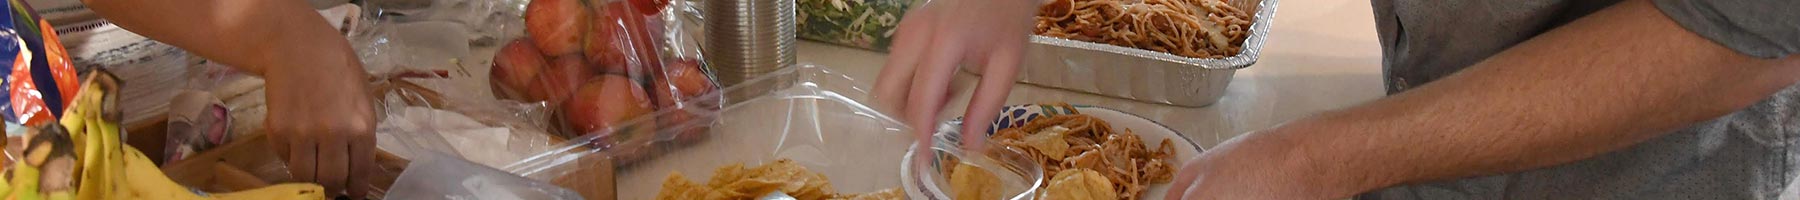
[817, 118]
[438, 176]
[600, 63]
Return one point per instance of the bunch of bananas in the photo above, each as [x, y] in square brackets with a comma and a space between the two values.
[82, 157]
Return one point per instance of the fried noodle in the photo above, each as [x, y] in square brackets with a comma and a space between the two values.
[1188, 28]
[1121, 157]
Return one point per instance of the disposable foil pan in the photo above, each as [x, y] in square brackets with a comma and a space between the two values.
[1139, 74]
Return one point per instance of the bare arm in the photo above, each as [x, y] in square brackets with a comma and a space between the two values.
[251, 35]
[1602, 83]
[321, 117]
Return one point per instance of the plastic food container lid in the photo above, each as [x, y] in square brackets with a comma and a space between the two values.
[812, 115]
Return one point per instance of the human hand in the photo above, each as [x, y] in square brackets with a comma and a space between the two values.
[322, 122]
[933, 39]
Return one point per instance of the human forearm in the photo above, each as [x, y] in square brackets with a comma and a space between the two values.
[251, 35]
[1602, 83]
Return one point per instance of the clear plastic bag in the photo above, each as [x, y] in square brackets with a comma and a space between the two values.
[601, 63]
[421, 53]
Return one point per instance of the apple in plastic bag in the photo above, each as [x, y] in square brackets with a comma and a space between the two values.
[517, 66]
[556, 26]
[679, 88]
[604, 104]
[603, 46]
[649, 7]
[681, 80]
[617, 38]
[557, 82]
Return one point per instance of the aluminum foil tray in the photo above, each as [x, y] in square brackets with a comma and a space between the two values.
[1139, 74]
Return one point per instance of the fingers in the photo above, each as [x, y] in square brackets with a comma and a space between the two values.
[362, 164]
[281, 143]
[1184, 180]
[334, 162]
[911, 39]
[302, 156]
[931, 83]
[990, 94]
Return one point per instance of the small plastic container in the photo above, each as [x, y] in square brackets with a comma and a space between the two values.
[816, 117]
[1020, 177]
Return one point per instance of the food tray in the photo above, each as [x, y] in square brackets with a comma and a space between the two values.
[1139, 74]
[814, 116]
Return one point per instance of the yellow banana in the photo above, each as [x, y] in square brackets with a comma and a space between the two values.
[97, 181]
[91, 143]
[287, 191]
[47, 167]
[63, 195]
[149, 182]
[5, 187]
[24, 180]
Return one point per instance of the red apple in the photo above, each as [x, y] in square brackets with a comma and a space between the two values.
[602, 106]
[603, 47]
[620, 40]
[681, 80]
[677, 88]
[643, 44]
[556, 26]
[556, 83]
[649, 7]
[516, 66]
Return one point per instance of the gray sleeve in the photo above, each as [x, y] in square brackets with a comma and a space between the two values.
[1759, 28]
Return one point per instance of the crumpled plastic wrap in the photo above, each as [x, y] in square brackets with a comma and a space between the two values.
[422, 55]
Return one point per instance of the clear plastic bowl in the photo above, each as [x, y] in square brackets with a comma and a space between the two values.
[809, 114]
[1020, 177]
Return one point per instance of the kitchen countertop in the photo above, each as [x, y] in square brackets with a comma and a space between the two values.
[1320, 56]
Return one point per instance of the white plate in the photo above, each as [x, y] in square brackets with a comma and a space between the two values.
[1152, 133]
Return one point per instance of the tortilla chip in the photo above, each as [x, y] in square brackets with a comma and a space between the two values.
[677, 187]
[1079, 184]
[737, 182]
[1049, 142]
[974, 183]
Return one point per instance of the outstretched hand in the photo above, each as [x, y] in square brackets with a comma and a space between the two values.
[937, 37]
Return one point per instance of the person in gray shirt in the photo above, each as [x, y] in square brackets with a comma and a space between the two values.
[1742, 147]
[1531, 99]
